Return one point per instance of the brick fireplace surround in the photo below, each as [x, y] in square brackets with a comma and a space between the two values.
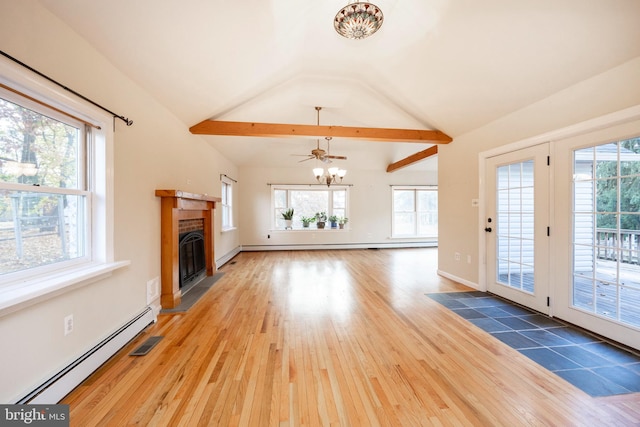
[180, 209]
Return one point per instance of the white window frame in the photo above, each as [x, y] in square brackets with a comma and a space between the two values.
[227, 190]
[31, 286]
[415, 189]
[302, 187]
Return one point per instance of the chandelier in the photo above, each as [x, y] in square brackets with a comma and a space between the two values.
[329, 176]
[358, 20]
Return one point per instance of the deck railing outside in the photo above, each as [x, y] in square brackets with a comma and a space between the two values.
[611, 244]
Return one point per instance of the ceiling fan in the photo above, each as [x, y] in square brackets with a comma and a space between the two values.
[318, 153]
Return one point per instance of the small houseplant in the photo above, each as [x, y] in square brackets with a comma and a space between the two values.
[306, 220]
[333, 219]
[342, 221]
[288, 218]
[321, 219]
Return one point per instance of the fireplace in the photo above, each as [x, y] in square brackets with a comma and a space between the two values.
[192, 258]
[184, 213]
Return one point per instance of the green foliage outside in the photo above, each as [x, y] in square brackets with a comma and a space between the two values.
[627, 181]
[30, 138]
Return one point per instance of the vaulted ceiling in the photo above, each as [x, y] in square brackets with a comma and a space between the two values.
[447, 65]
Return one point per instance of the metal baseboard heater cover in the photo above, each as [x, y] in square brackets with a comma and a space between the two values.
[62, 383]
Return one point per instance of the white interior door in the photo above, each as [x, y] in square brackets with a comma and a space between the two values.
[517, 221]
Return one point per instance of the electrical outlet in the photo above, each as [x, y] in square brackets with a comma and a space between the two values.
[457, 256]
[468, 259]
[153, 289]
[68, 324]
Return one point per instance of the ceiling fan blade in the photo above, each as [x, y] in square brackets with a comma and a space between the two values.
[337, 157]
[308, 158]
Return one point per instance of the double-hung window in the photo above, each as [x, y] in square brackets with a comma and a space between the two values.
[415, 211]
[56, 207]
[44, 200]
[306, 201]
[227, 203]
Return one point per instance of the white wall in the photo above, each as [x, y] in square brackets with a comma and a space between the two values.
[459, 225]
[159, 152]
[156, 152]
[369, 210]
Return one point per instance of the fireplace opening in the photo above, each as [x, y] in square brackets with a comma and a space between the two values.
[192, 258]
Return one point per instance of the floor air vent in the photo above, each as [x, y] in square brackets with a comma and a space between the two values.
[146, 346]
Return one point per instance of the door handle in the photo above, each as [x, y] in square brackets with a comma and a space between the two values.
[488, 229]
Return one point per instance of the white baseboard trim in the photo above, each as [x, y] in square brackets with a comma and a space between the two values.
[228, 257]
[306, 247]
[62, 383]
[459, 280]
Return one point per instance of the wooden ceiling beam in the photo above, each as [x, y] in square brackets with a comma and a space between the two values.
[216, 127]
[431, 151]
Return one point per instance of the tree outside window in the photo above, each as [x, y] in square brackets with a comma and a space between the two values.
[43, 201]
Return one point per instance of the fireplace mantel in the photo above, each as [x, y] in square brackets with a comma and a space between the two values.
[176, 206]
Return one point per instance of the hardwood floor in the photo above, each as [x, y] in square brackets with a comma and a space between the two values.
[340, 338]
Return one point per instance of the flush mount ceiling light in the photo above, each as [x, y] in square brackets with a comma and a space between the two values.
[358, 20]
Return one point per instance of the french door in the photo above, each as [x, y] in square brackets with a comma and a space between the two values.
[597, 202]
[516, 225]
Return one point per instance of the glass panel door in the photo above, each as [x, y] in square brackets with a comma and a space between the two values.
[516, 225]
[606, 231]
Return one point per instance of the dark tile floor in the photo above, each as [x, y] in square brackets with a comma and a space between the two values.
[586, 361]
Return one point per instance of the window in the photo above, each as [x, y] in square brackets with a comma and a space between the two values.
[415, 211]
[56, 203]
[306, 201]
[606, 230]
[44, 200]
[227, 203]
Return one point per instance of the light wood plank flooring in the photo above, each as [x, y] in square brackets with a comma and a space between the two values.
[332, 338]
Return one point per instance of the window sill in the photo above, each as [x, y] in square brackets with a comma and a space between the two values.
[24, 293]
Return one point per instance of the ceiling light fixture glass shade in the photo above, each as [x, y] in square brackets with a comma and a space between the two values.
[331, 176]
[358, 20]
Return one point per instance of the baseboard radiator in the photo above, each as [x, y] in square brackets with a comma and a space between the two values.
[61, 384]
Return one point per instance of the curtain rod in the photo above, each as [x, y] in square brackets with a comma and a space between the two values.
[115, 116]
[37, 101]
[228, 177]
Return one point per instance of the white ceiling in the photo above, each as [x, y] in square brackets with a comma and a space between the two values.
[451, 65]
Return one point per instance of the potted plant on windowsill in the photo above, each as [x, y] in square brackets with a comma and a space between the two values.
[342, 221]
[288, 218]
[306, 220]
[321, 219]
[333, 219]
